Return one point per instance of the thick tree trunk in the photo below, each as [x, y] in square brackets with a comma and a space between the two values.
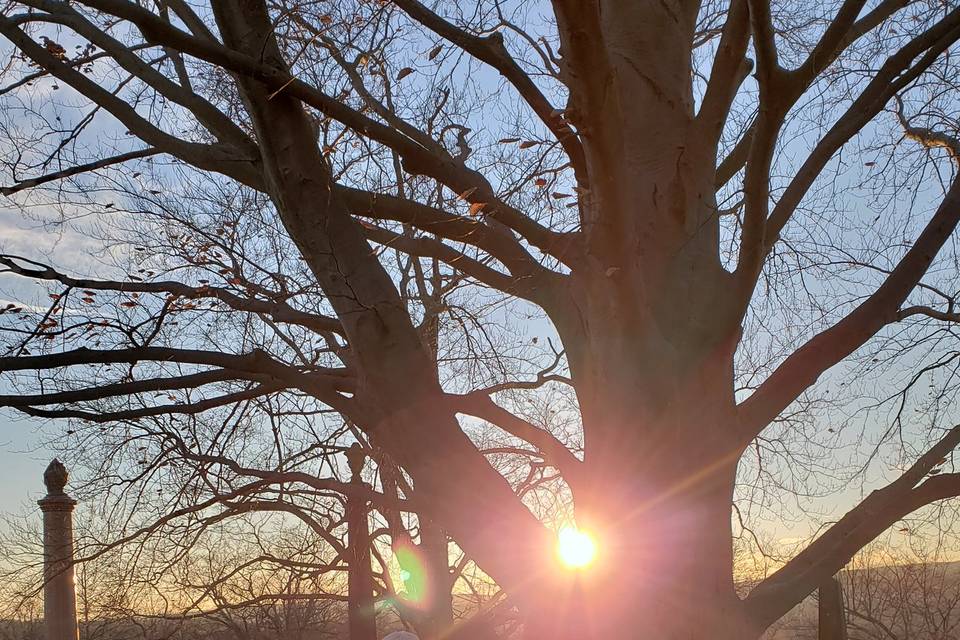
[662, 447]
[580, 619]
[658, 487]
[650, 324]
[438, 598]
[397, 385]
[664, 572]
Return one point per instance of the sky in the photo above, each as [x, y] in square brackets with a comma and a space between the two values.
[24, 450]
[22, 461]
[25, 446]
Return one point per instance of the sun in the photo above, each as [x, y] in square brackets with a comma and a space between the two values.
[576, 548]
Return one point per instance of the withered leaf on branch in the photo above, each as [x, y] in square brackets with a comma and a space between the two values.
[476, 208]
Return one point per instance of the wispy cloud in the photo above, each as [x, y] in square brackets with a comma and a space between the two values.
[26, 307]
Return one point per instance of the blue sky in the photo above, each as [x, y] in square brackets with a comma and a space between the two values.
[23, 458]
[24, 453]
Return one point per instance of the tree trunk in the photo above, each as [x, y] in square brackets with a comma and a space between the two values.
[696, 620]
[397, 387]
[660, 468]
[664, 572]
[438, 598]
[664, 568]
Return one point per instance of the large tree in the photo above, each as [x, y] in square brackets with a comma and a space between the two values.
[668, 174]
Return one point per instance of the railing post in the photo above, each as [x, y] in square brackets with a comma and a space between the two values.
[59, 591]
[833, 619]
[361, 610]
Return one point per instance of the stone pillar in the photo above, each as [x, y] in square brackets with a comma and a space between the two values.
[59, 592]
[361, 609]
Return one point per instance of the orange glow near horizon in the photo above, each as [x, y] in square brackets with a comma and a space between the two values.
[576, 549]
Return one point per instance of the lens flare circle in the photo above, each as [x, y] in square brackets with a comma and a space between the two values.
[576, 549]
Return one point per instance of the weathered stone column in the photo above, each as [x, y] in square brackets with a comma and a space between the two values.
[59, 592]
[361, 608]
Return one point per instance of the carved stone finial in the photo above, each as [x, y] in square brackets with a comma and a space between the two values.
[355, 457]
[55, 477]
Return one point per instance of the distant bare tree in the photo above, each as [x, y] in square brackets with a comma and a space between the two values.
[890, 593]
[901, 595]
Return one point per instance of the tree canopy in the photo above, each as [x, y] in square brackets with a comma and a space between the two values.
[317, 223]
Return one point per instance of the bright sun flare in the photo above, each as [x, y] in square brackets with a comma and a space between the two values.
[575, 548]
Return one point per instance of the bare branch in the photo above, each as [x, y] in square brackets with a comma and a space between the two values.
[189, 408]
[481, 405]
[255, 362]
[190, 381]
[730, 68]
[77, 170]
[217, 157]
[416, 158]
[498, 242]
[804, 366]
[896, 73]
[491, 50]
[780, 592]
[278, 311]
